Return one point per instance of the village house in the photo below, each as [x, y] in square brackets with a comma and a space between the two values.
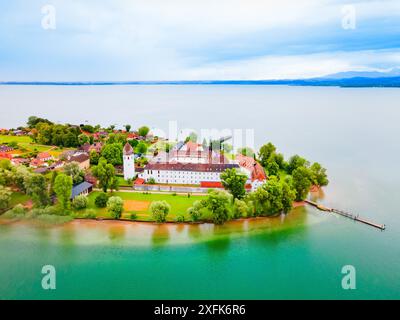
[4, 148]
[4, 155]
[82, 159]
[97, 146]
[83, 188]
[253, 170]
[36, 163]
[19, 161]
[44, 156]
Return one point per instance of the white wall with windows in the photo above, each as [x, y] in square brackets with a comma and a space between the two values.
[180, 177]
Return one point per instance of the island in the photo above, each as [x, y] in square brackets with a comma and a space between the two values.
[54, 173]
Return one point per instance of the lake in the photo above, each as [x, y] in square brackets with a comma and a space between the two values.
[353, 132]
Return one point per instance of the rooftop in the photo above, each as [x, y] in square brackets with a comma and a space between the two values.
[128, 150]
[199, 167]
[78, 189]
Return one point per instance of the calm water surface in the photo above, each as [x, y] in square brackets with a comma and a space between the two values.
[353, 132]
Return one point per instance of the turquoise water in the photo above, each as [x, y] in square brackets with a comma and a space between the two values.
[353, 132]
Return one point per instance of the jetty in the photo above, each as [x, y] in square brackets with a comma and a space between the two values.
[346, 214]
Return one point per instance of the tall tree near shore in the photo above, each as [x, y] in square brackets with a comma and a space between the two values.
[63, 190]
[105, 173]
[128, 127]
[36, 187]
[234, 182]
[295, 162]
[5, 197]
[302, 181]
[218, 202]
[319, 176]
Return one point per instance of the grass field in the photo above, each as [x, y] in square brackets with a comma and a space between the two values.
[26, 145]
[123, 182]
[139, 203]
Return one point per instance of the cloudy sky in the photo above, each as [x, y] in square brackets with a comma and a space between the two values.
[122, 40]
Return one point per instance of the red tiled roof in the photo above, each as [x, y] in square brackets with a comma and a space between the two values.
[211, 184]
[36, 163]
[79, 158]
[139, 181]
[200, 167]
[43, 155]
[257, 171]
[4, 155]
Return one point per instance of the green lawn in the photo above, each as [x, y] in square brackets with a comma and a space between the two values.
[179, 205]
[26, 145]
[122, 182]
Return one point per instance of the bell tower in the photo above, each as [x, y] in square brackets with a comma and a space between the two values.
[129, 162]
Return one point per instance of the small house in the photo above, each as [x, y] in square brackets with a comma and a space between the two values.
[83, 188]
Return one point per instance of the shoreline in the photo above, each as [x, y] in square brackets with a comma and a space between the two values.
[166, 223]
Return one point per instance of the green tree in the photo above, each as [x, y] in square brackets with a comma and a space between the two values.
[36, 187]
[143, 131]
[218, 202]
[54, 175]
[141, 148]
[288, 196]
[302, 181]
[83, 138]
[80, 202]
[159, 210]
[63, 190]
[272, 168]
[105, 173]
[115, 206]
[5, 164]
[240, 209]
[265, 153]
[195, 211]
[318, 174]
[94, 157]
[73, 170]
[101, 200]
[33, 121]
[133, 143]
[234, 182]
[295, 162]
[21, 176]
[113, 153]
[114, 185]
[128, 127]
[87, 128]
[5, 198]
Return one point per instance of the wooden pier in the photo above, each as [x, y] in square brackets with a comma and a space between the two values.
[346, 214]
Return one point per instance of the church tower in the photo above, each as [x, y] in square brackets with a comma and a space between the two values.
[129, 162]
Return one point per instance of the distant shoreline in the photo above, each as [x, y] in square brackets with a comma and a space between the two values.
[358, 82]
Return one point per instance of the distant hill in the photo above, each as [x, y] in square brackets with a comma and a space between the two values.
[395, 72]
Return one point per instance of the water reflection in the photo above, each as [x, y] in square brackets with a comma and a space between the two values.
[161, 235]
[116, 233]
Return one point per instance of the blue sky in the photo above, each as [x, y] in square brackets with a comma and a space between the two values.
[122, 40]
